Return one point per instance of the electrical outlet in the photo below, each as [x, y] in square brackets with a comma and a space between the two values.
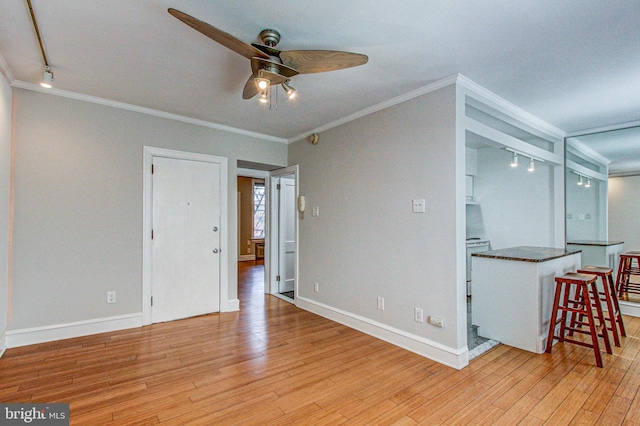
[437, 321]
[381, 303]
[316, 211]
[111, 297]
[248, 242]
[249, 250]
[418, 314]
[316, 287]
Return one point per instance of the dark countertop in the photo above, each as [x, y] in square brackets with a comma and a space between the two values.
[527, 254]
[595, 242]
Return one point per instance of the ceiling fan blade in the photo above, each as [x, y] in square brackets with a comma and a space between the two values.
[225, 39]
[250, 88]
[312, 61]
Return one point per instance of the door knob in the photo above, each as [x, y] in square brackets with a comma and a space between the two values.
[215, 229]
[215, 250]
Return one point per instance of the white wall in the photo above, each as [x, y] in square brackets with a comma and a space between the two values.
[624, 211]
[366, 242]
[5, 178]
[517, 205]
[583, 207]
[78, 203]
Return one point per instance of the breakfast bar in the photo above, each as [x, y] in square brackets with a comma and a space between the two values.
[513, 293]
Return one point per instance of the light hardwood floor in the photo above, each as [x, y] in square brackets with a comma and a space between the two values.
[274, 364]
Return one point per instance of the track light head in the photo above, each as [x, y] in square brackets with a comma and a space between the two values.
[47, 78]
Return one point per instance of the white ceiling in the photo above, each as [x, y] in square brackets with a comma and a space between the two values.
[572, 63]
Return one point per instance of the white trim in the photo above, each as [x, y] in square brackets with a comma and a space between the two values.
[506, 107]
[129, 107]
[230, 305]
[455, 358]
[629, 308]
[148, 154]
[6, 72]
[32, 336]
[3, 344]
[619, 126]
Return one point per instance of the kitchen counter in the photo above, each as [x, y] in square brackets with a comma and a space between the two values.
[527, 254]
[513, 293]
[599, 252]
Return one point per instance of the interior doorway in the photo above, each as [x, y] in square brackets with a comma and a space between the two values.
[280, 249]
[283, 228]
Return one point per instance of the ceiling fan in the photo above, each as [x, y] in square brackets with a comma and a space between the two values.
[270, 66]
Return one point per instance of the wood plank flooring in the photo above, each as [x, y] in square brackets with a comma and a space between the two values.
[274, 364]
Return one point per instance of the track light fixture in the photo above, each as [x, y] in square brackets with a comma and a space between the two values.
[584, 181]
[514, 159]
[47, 77]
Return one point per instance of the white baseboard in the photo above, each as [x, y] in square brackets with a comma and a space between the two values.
[231, 305]
[246, 257]
[32, 336]
[3, 344]
[631, 309]
[451, 357]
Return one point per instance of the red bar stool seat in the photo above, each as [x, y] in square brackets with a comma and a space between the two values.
[608, 296]
[572, 297]
[626, 270]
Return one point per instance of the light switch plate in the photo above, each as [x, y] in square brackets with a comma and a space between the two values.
[418, 205]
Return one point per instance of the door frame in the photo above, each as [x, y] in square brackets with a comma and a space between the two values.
[271, 245]
[147, 221]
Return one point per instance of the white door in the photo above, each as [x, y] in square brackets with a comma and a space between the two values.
[287, 234]
[186, 238]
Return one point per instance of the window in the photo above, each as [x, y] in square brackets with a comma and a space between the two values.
[258, 209]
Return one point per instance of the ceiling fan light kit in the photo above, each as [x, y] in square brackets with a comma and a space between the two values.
[270, 66]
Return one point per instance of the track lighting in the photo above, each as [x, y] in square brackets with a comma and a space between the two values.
[47, 78]
[580, 181]
[588, 184]
[514, 159]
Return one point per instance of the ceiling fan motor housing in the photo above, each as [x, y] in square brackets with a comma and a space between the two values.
[269, 37]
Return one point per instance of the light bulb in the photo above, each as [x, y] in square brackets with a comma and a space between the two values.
[532, 166]
[580, 182]
[262, 83]
[588, 184]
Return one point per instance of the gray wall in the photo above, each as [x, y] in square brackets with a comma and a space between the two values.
[78, 203]
[366, 242]
[5, 178]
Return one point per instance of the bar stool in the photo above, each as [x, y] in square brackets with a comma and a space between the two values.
[572, 297]
[608, 296]
[625, 270]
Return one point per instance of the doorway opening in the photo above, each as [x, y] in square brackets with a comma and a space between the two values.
[267, 227]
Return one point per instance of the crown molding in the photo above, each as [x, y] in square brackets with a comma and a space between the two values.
[509, 108]
[143, 110]
[5, 71]
[619, 126]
